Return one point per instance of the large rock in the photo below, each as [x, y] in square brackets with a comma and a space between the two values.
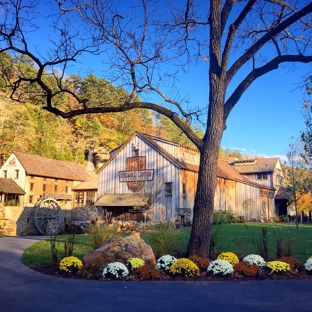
[120, 249]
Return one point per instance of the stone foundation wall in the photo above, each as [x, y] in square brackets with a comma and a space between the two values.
[20, 220]
[186, 215]
[17, 221]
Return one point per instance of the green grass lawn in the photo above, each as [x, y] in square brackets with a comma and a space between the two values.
[241, 239]
[238, 238]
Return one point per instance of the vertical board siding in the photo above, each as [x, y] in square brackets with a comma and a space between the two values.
[108, 181]
[171, 148]
[245, 192]
[266, 182]
[225, 195]
[229, 195]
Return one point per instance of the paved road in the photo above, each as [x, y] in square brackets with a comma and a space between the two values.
[24, 290]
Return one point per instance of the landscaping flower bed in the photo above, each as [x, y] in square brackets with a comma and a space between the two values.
[194, 268]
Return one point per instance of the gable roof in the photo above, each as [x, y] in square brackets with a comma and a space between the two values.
[167, 155]
[227, 172]
[87, 185]
[52, 168]
[8, 186]
[157, 148]
[120, 200]
[260, 165]
[224, 171]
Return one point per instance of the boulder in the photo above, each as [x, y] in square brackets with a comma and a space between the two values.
[120, 249]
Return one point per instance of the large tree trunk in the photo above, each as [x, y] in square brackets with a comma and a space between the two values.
[207, 180]
[207, 176]
[199, 242]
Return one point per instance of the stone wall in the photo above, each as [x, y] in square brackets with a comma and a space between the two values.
[186, 215]
[20, 220]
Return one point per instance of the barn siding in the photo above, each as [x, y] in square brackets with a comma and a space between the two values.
[230, 194]
[225, 195]
[170, 147]
[108, 181]
[266, 182]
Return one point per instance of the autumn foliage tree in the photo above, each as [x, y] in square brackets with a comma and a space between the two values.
[144, 47]
[298, 179]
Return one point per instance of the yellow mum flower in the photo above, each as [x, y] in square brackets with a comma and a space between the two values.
[184, 267]
[135, 263]
[70, 264]
[229, 257]
[278, 266]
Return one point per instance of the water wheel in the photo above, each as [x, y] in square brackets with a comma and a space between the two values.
[48, 216]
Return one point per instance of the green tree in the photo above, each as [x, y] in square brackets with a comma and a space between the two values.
[112, 129]
[6, 70]
[147, 45]
[166, 129]
[228, 154]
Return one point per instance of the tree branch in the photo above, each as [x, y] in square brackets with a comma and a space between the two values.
[266, 38]
[234, 26]
[258, 72]
[183, 125]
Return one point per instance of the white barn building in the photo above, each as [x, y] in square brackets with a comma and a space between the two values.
[145, 163]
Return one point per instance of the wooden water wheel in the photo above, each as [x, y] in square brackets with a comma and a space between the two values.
[48, 216]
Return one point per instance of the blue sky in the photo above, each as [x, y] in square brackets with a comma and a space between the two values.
[263, 121]
[268, 115]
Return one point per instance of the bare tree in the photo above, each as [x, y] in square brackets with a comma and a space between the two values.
[298, 177]
[150, 194]
[146, 46]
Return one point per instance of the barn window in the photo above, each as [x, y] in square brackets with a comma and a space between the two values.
[183, 189]
[79, 196]
[90, 198]
[5, 173]
[44, 187]
[168, 188]
[262, 176]
[16, 174]
[135, 152]
[31, 187]
[66, 189]
[55, 188]
[31, 197]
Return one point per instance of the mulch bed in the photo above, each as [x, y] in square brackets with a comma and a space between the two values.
[96, 274]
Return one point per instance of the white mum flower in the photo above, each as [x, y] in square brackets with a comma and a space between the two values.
[308, 265]
[165, 262]
[221, 267]
[115, 270]
[254, 259]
